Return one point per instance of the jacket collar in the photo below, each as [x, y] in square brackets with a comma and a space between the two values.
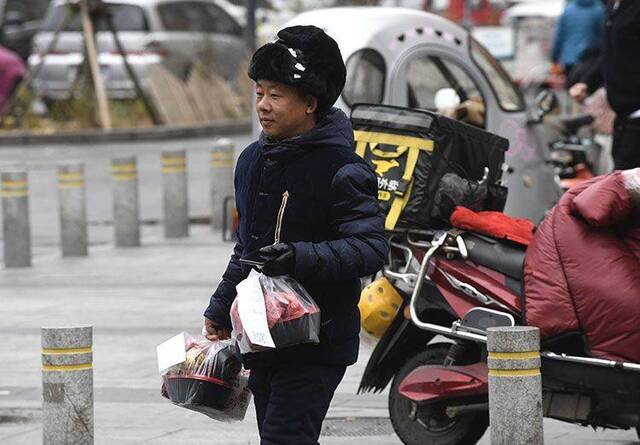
[333, 130]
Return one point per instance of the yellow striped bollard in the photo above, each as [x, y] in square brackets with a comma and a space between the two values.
[515, 385]
[16, 231]
[73, 210]
[221, 179]
[126, 214]
[67, 385]
[176, 197]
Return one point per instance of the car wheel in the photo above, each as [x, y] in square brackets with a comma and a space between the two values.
[430, 425]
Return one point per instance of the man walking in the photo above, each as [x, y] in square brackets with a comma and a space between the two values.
[303, 181]
[619, 71]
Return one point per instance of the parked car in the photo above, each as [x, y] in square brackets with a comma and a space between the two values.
[19, 22]
[410, 58]
[12, 71]
[270, 16]
[174, 33]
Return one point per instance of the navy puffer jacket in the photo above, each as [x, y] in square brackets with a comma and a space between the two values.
[331, 218]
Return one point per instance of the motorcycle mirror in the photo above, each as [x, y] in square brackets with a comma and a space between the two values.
[544, 103]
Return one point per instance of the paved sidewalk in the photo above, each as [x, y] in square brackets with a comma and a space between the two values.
[135, 299]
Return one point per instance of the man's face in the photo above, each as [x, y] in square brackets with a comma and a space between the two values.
[284, 112]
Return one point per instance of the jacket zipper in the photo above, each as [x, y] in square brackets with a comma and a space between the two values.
[283, 205]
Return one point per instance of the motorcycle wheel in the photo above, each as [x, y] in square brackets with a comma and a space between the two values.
[431, 426]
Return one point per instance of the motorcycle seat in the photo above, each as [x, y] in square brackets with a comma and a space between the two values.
[572, 123]
[499, 255]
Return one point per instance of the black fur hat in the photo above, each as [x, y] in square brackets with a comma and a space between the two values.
[304, 57]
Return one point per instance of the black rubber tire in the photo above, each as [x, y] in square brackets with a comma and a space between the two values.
[463, 430]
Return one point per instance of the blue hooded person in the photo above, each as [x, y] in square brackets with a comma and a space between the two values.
[579, 28]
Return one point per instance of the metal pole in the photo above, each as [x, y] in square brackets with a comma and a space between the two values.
[221, 183]
[515, 385]
[126, 219]
[16, 231]
[176, 199]
[250, 30]
[67, 385]
[73, 210]
[466, 15]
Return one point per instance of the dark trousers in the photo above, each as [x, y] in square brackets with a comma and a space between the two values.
[291, 401]
[626, 143]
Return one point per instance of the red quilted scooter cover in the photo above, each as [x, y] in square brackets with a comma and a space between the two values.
[582, 270]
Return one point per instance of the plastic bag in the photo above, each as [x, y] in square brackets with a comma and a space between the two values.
[273, 312]
[454, 191]
[210, 380]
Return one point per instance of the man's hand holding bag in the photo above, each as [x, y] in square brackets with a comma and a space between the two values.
[272, 310]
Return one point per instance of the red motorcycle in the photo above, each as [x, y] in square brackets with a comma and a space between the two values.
[455, 285]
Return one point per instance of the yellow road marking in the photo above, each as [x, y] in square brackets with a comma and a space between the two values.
[80, 367]
[173, 161]
[514, 355]
[14, 184]
[124, 168]
[14, 193]
[174, 169]
[62, 351]
[228, 163]
[514, 372]
[221, 155]
[124, 176]
[71, 185]
[70, 176]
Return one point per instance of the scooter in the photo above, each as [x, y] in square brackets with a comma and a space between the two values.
[573, 155]
[456, 285]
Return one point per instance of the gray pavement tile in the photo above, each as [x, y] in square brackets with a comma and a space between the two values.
[137, 298]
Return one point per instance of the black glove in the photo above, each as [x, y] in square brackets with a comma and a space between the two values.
[279, 259]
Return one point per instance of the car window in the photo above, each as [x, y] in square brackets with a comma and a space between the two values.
[30, 10]
[220, 22]
[509, 97]
[429, 75]
[366, 73]
[124, 17]
[184, 16]
[259, 4]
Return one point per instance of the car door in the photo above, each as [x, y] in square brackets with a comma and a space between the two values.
[183, 36]
[225, 37]
[431, 77]
[20, 20]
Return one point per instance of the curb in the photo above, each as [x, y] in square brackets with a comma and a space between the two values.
[222, 128]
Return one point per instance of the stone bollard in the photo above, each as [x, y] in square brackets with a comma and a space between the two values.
[176, 197]
[126, 214]
[221, 183]
[73, 210]
[515, 385]
[16, 231]
[67, 385]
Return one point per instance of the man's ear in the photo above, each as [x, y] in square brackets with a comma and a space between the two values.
[312, 104]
